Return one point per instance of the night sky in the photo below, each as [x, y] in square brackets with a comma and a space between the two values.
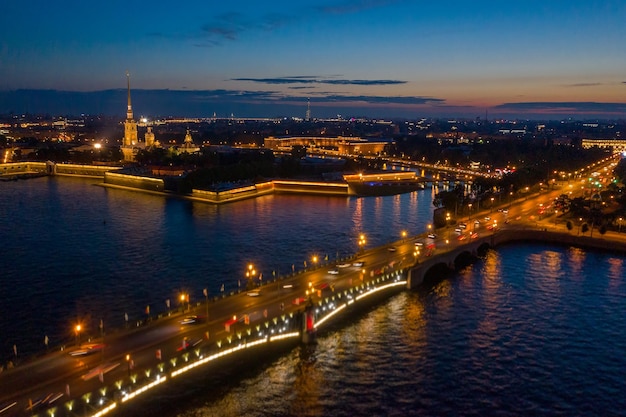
[376, 58]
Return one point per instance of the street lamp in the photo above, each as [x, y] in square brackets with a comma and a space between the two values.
[619, 227]
[403, 234]
[362, 241]
[184, 297]
[77, 329]
[470, 211]
[250, 275]
[491, 209]
[128, 363]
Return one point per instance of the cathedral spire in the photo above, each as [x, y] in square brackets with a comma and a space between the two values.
[129, 111]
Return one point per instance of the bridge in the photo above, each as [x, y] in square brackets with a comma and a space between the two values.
[104, 376]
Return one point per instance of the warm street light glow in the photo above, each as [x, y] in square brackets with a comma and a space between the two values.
[77, 329]
[362, 241]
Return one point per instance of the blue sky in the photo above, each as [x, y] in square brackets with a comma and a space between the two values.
[350, 57]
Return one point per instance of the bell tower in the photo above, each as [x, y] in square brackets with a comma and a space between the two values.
[130, 125]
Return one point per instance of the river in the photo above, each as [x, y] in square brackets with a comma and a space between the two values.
[529, 330]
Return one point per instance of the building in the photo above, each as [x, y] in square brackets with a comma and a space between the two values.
[188, 146]
[615, 144]
[339, 145]
[130, 142]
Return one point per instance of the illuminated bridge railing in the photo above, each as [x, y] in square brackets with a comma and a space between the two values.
[108, 399]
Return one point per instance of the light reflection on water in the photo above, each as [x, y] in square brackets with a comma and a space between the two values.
[486, 342]
[529, 330]
[77, 251]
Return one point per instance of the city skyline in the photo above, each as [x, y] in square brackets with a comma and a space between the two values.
[376, 58]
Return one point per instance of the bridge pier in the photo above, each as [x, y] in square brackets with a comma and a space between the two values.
[414, 278]
[307, 330]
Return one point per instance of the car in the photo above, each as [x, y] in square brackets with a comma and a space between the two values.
[474, 235]
[358, 264]
[254, 293]
[462, 237]
[288, 286]
[458, 230]
[505, 211]
[419, 244]
[487, 218]
[432, 236]
[299, 300]
[343, 265]
[86, 350]
[188, 343]
[462, 226]
[333, 271]
[391, 249]
[190, 320]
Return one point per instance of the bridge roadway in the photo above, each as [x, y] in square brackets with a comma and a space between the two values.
[55, 372]
[60, 373]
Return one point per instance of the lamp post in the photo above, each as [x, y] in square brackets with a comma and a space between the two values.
[206, 299]
[403, 234]
[619, 226]
[362, 242]
[491, 209]
[250, 275]
[470, 211]
[128, 363]
[77, 330]
[184, 297]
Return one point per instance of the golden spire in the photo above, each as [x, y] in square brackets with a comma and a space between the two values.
[129, 111]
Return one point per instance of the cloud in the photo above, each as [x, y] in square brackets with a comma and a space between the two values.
[354, 6]
[230, 27]
[384, 99]
[583, 85]
[588, 107]
[318, 80]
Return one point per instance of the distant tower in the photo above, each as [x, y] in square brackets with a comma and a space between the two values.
[307, 117]
[188, 139]
[188, 145]
[149, 137]
[130, 126]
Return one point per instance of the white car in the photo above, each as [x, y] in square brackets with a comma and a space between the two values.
[333, 271]
[358, 264]
[343, 265]
[254, 293]
[391, 249]
[432, 236]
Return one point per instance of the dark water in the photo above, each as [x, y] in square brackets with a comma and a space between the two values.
[72, 250]
[529, 330]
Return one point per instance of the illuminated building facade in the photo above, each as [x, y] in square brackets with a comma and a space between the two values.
[338, 145]
[129, 142]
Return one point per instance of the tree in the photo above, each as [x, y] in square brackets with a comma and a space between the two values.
[584, 228]
[569, 225]
[602, 229]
